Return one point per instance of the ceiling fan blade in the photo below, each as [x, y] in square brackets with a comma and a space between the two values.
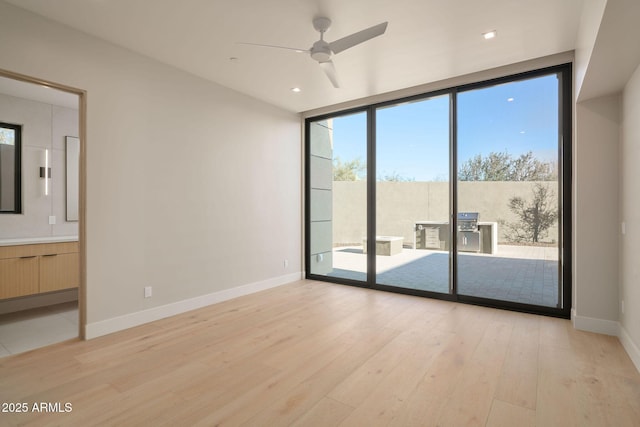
[330, 70]
[275, 47]
[357, 38]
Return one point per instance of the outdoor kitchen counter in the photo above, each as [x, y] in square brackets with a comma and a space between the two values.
[488, 229]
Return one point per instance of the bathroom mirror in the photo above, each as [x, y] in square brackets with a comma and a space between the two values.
[73, 176]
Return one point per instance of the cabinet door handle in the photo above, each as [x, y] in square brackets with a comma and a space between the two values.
[27, 257]
[50, 255]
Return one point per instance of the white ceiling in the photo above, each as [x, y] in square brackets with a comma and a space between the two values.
[426, 40]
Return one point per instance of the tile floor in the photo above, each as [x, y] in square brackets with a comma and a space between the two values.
[26, 330]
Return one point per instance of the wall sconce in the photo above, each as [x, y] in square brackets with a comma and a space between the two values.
[45, 173]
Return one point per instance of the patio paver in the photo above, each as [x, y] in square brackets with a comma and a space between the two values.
[526, 274]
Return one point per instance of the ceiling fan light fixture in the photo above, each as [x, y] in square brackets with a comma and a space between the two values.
[322, 51]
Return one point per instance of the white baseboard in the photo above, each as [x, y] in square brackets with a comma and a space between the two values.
[599, 326]
[104, 327]
[632, 349]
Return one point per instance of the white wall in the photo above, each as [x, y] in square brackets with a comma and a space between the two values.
[592, 12]
[44, 126]
[630, 214]
[596, 224]
[192, 188]
[607, 152]
[595, 148]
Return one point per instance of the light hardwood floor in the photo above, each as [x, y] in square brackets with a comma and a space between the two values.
[317, 354]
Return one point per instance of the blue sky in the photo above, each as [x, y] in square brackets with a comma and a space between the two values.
[413, 138]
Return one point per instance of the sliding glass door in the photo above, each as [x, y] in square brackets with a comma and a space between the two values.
[412, 195]
[463, 194]
[337, 196]
[508, 149]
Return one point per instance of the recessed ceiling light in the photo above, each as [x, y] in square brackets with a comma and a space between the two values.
[233, 59]
[295, 89]
[489, 34]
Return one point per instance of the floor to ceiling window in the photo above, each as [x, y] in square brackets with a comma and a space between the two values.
[337, 196]
[507, 156]
[462, 194]
[412, 194]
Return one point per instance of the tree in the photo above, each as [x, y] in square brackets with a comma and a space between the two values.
[504, 167]
[348, 171]
[355, 170]
[536, 216]
[6, 137]
[395, 177]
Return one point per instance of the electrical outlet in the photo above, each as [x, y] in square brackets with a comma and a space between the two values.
[622, 306]
[623, 227]
[286, 263]
[52, 220]
[147, 292]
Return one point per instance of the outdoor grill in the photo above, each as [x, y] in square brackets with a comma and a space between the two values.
[468, 221]
[468, 233]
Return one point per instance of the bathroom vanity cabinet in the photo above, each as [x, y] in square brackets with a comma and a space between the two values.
[32, 269]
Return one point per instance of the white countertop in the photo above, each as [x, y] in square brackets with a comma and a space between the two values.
[36, 240]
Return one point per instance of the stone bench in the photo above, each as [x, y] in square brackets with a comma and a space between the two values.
[386, 245]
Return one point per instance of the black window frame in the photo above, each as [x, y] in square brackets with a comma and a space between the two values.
[17, 179]
[565, 112]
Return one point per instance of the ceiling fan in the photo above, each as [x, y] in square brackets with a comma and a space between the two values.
[322, 50]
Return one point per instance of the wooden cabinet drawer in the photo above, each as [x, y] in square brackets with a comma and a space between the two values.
[18, 251]
[18, 277]
[36, 268]
[59, 271]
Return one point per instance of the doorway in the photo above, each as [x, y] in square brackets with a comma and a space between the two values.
[42, 293]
